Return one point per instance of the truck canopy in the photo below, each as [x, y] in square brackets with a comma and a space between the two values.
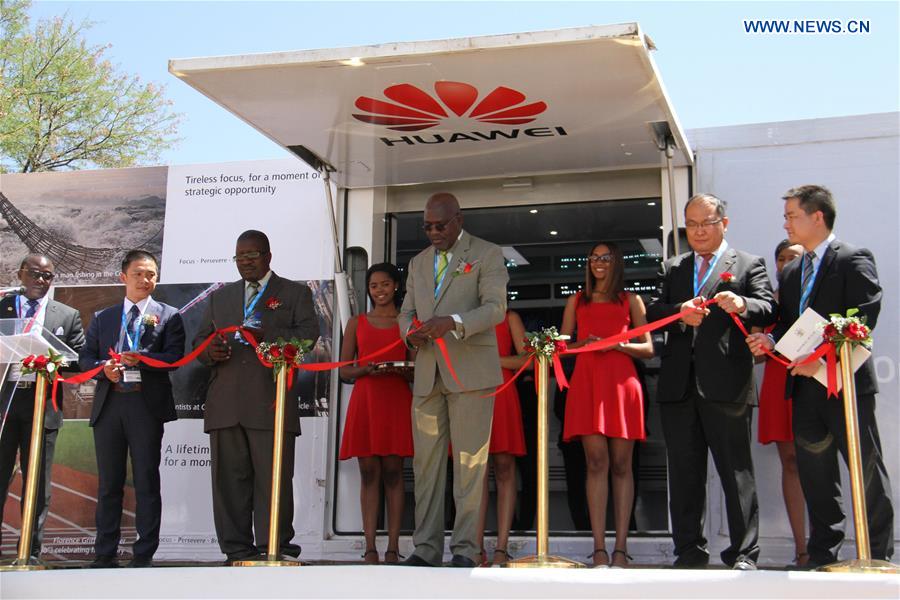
[571, 100]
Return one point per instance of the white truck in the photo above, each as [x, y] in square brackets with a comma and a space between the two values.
[550, 140]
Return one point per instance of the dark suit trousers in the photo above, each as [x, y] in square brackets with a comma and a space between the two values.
[820, 432]
[693, 428]
[16, 438]
[126, 426]
[242, 491]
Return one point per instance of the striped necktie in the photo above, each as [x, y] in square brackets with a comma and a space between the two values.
[808, 274]
[254, 292]
[440, 271]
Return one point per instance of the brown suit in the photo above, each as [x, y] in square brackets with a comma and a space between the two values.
[239, 416]
[442, 412]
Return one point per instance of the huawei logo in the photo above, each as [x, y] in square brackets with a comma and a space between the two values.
[414, 109]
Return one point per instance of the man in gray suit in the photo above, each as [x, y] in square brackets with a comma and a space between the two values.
[457, 289]
[239, 414]
[36, 274]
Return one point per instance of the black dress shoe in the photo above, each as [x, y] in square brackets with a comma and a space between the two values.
[140, 562]
[415, 560]
[744, 563]
[691, 561]
[462, 562]
[104, 562]
[256, 557]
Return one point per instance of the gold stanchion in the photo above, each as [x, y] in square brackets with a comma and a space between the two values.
[23, 561]
[864, 562]
[273, 556]
[543, 558]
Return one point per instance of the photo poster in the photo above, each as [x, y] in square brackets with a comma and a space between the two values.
[189, 217]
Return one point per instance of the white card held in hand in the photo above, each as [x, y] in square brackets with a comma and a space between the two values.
[805, 335]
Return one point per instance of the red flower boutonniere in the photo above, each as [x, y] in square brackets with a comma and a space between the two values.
[726, 276]
[464, 268]
[273, 303]
[150, 321]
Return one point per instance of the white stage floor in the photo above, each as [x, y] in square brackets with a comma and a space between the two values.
[407, 582]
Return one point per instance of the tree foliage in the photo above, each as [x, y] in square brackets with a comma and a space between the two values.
[63, 105]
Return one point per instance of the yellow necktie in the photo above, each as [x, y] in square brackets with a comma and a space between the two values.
[441, 269]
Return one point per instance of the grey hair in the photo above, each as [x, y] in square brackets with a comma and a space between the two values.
[719, 204]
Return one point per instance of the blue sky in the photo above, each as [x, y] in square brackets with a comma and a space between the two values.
[715, 73]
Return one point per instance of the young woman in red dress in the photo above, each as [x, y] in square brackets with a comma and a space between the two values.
[507, 436]
[605, 406]
[775, 426]
[378, 429]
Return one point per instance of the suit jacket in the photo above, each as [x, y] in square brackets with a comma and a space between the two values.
[478, 297]
[241, 390]
[57, 317]
[721, 360]
[164, 341]
[846, 279]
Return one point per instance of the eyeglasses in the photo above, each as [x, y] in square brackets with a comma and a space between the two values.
[45, 275]
[694, 226]
[604, 258]
[426, 227]
[247, 256]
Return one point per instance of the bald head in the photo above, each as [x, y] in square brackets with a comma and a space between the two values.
[443, 221]
[443, 201]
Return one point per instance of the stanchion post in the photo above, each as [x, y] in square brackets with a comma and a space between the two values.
[543, 557]
[23, 561]
[864, 562]
[273, 555]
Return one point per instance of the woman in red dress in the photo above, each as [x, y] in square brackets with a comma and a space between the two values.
[605, 406]
[378, 430]
[775, 426]
[507, 436]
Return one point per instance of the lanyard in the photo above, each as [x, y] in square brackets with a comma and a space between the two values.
[712, 265]
[248, 309]
[132, 342]
[804, 293]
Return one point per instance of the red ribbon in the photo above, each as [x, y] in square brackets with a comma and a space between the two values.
[827, 350]
[442, 347]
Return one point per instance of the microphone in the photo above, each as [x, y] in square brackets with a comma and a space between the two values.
[12, 291]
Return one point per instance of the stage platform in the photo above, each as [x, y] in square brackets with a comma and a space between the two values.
[362, 581]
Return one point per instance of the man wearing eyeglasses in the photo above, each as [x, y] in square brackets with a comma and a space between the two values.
[239, 414]
[455, 292]
[17, 396]
[706, 387]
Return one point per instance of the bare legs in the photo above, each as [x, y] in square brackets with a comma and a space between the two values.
[793, 498]
[505, 478]
[373, 470]
[601, 453]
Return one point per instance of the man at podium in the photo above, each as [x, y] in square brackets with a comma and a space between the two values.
[36, 273]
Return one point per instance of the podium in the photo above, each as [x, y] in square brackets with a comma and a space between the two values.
[20, 338]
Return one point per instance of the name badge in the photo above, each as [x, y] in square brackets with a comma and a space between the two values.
[131, 376]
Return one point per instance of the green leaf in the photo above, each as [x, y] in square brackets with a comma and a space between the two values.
[852, 311]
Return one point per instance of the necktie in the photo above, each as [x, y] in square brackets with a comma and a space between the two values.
[254, 292]
[440, 271]
[32, 308]
[807, 278]
[133, 315]
[704, 267]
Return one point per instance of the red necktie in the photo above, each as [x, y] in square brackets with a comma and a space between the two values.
[704, 267]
